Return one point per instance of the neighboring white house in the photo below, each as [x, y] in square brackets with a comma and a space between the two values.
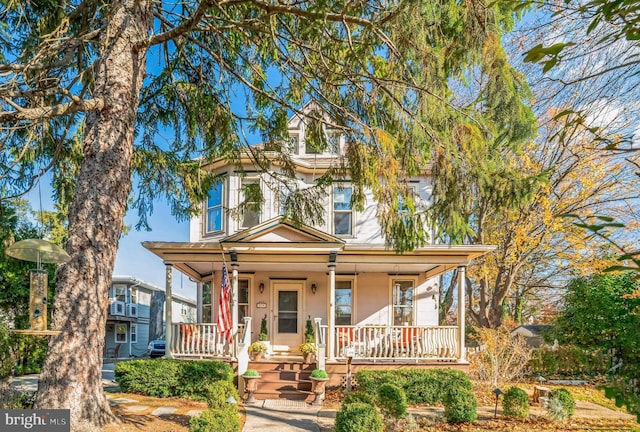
[129, 315]
[382, 304]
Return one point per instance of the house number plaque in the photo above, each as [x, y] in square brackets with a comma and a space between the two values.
[261, 305]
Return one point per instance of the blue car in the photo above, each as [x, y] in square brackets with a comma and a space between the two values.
[156, 348]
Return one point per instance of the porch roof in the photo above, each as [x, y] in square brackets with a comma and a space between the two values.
[199, 260]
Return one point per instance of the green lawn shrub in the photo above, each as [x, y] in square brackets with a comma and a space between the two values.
[460, 406]
[359, 396]
[392, 401]
[171, 378]
[515, 403]
[218, 393]
[568, 362]
[566, 398]
[358, 417]
[420, 385]
[216, 420]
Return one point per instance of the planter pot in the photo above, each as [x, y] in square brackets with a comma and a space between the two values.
[306, 357]
[250, 386]
[318, 387]
[257, 355]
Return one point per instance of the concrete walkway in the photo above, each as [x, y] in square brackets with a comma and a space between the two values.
[282, 416]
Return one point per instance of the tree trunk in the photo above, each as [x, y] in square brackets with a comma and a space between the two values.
[156, 317]
[71, 376]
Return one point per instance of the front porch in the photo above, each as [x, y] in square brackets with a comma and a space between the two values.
[363, 343]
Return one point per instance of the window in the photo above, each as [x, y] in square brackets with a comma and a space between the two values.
[206, 302]
[214, 208]
[134, 295]
[133, 333]
[119, 293]
[294, 144]
[342, 214]
[287, 192]
[121, 333]
[402, 294]
[333, 142]
[344, 302]
[243, 299]
[251, 198]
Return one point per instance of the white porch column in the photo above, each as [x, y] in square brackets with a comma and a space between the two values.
[199, 302]
[331, 319]
[234, 299]
[462, 275]
[168, 311]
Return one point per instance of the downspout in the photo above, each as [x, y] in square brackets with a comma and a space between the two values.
[168, 311]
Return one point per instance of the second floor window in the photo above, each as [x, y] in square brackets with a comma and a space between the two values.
[342, 213]
[214, 209]
[250, 199]
[119, 293]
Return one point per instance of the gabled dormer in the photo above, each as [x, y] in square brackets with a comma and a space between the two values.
[332, 140]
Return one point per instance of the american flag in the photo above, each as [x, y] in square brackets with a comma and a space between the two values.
[224, 312]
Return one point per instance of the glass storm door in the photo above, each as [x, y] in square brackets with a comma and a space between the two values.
[288, 316]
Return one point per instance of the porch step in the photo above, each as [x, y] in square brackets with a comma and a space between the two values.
[283, 379]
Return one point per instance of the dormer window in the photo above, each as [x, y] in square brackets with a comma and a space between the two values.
[333, 142]
[214, 209]
[294, 144]
[342, 211]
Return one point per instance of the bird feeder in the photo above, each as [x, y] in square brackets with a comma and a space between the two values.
[38, 251]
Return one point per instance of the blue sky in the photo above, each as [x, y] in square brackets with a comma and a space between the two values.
[132, 259]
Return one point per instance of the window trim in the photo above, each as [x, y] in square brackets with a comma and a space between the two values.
[353, 299]
[250, 180]
[133, 333]
[351, 234]
[206, 208]
[392, 282]
[115, 333]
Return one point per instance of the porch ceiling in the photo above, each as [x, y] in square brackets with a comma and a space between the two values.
[199, 259]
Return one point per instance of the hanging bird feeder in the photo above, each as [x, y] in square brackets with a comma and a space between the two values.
[38, 251]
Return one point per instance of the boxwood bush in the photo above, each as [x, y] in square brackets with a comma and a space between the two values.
[460, 406]
[515, 403]
[358, 417]
[564, 396]
[216, 420]
[420, 385]
[358, 396]
[171, 378]
[392, 401]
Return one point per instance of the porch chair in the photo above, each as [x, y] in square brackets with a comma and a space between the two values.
[112, 352]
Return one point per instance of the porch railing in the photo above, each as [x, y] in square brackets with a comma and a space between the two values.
[373, 342]
[200, 340]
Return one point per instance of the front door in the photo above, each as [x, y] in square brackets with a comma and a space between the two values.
[288, 302]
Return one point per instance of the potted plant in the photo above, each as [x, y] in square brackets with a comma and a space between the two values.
[319, 378]
[257, 349]
[264, 334]
[250, 377]
[309, 334]
[307, 349]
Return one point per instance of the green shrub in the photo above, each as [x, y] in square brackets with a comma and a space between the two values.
[309, 334]
[171, 378]
[319, 373]
[219, 392]
[392, 401]
[515, 403]
[358, 417]
[216, 420]
[264, 334]
[568, 362]
[564, 396]
[251, 373]
[420, 385]
[460, 407]
[358, 397]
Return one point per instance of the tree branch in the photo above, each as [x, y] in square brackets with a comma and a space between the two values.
[51, 111]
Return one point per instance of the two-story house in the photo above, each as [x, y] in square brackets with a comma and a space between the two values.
[381, 305]
[132, 320]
